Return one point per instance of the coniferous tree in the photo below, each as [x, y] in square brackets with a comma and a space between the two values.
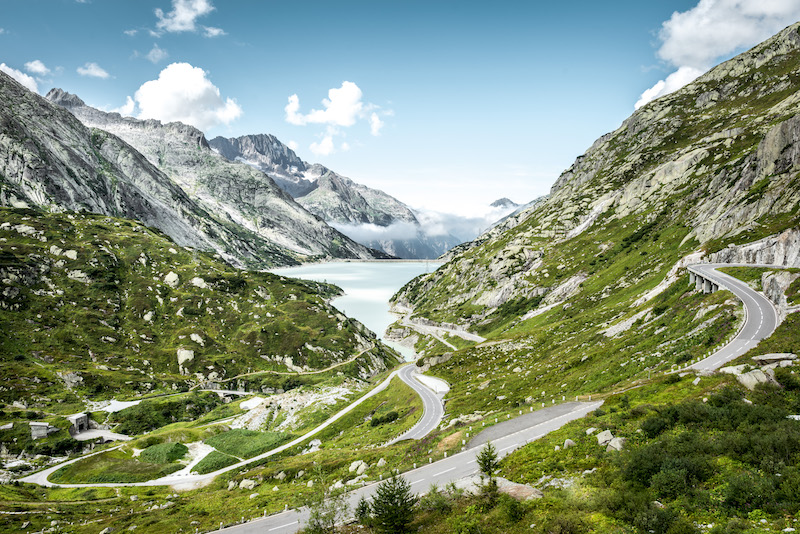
[393, 506]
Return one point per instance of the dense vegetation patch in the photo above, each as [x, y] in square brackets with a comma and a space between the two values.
[152, 414]
[247, 443]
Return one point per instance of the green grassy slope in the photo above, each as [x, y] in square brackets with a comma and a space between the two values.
[96, 307]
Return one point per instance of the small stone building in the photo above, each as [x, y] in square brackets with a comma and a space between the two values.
[80, 423]
[41, 430]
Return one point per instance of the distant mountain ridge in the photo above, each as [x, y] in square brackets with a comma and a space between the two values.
[336, 199]
[238, 196]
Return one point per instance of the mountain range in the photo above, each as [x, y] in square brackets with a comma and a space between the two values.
[583, 294]
[368, 215]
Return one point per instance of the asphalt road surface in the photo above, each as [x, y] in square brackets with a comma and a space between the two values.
[433, 409]
[761, 319]
[431, 416]
[440, 473]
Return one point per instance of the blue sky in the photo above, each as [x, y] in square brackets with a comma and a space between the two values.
[447, 105]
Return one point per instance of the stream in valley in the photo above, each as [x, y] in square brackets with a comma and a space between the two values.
[368, 286]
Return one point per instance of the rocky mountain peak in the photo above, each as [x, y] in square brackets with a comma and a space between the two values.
[64, 99]
[504, 203]
[263, 149]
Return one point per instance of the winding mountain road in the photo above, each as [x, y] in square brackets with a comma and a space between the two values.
[431, 416]
[760, 321]
[432, 406]
[446, 470]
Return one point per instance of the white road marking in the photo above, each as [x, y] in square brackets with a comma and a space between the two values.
[418, 481]
[443, 472]
[283, 526]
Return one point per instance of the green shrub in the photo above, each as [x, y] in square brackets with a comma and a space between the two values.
[164, 453]
[565, 523]
[512, 508]
[435, 501]
[746, 492]
[655, 425]
[388, 418]
[214, 461]
[247, 443]
[788, 379]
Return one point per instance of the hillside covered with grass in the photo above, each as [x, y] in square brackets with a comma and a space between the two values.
[96, 307]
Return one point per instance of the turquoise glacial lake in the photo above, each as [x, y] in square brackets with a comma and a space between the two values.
[368, 286]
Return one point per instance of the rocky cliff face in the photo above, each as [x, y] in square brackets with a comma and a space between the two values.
[338, 200]
[711, 165]
[48, 159]
[269, 155]
[242, 198]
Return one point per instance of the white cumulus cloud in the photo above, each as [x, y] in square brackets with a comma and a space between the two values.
[693, 41]
[93, 70]
[375, 124]
[127, 108]
[342, 107]
[21, 77]
[130, 33]
[293, 145]
[209, 31]
[184, 93]
[684, 75]
[324, 147]
[184, 15]
[156, 54]
[37, 67]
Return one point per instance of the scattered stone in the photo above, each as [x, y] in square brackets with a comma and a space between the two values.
[253, 495]
[590, 431]
[752, 378]
[199, 282]
[616, 444]
[171, 279]
[355, 465]
[557, 448]
[184, 356]
[772, 358]
[197, 338]
[70, 379]
[300, 474]
[696, 381]
[381, 463]
[280, 476]
[134, 498]
[310, 484]
[247, 484]
[604, 437]
[148, 317]
[313, 446]
[275, 488]
[568, 443]
[79, 276]
[107, 530]
[71, 254]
